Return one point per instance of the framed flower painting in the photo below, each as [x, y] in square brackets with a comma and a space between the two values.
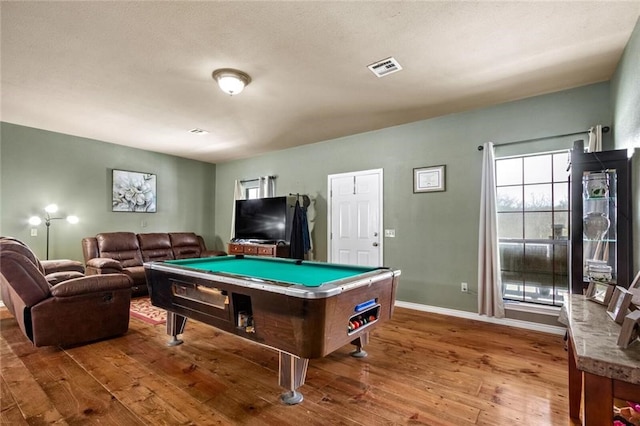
[133, 192]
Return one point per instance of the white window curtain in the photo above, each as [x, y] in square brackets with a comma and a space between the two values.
[489, 279]
[238, 194]
[595, 139]
[267, 187]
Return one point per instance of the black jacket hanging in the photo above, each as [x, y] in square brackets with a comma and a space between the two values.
[297, 240]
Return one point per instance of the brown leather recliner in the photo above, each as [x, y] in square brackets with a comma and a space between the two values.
[74, 311]
[55, 271]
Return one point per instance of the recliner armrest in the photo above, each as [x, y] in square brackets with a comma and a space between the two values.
[101, 263]
[58, 277]
[61, 265]
[92, 284]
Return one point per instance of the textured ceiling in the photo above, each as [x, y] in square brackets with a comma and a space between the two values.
[139, 73]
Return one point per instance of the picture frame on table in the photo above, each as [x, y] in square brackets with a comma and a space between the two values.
[618, 306]
[635, 284]
[428, 179]
[630, 330]
[599, 292]
[635, 289]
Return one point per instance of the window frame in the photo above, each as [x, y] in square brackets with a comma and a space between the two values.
[557, 245]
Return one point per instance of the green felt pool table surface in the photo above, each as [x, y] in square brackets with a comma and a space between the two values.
[305, 273]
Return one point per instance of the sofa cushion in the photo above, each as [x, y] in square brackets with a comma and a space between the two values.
[121, 246]
[137, 275]
[185, 245]
[155, 247]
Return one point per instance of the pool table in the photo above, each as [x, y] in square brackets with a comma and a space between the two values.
[302, 309]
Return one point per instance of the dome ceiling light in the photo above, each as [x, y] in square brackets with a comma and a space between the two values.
[231, 81]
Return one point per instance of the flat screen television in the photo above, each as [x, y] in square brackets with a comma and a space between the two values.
[264, 219]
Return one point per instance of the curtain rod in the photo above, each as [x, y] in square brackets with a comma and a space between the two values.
[256, 179]
[605, 129]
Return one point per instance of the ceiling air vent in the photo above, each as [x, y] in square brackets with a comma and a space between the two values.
[197, 131]
[385, 67]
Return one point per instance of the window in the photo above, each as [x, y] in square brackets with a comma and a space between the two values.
[252, 193]
[532, 196]
[251, 189]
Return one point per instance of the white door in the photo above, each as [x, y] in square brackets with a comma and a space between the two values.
[355, 218]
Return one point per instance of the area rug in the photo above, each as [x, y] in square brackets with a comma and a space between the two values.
[142, 309]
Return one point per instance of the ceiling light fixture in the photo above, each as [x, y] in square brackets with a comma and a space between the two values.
[231, 81]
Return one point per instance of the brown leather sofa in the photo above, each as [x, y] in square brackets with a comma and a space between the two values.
[125, 252]
[75, 311]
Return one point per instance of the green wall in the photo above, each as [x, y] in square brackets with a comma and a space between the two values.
[38, 167]
[625, 95]
[436, 233]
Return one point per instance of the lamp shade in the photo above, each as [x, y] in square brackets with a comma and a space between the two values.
[231, 81]
[51, 208]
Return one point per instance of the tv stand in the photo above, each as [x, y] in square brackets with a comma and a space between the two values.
[271, 249]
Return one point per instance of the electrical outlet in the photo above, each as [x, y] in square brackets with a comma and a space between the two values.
[464, 287]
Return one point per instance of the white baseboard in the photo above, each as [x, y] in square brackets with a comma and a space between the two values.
[477, 317]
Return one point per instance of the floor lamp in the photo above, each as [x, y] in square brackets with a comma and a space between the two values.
[49, 210]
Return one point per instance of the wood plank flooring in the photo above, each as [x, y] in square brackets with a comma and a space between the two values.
[422, 369]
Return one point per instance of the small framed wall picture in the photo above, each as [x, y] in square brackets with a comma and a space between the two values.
[428, 179]
[599, 292]
[619, 304]
[630, 330]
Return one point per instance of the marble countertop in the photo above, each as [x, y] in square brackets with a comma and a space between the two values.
[595, 335]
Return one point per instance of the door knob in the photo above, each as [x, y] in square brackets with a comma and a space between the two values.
[375, 244]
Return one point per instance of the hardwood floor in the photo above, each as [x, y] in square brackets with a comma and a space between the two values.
[422, 369]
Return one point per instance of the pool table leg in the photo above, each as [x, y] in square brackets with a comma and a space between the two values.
[359, 343]
[175, 326]
[293, 370]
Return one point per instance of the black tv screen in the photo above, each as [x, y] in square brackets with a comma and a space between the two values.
[262, 219]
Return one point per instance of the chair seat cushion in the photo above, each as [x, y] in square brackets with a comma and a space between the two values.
[137, 274]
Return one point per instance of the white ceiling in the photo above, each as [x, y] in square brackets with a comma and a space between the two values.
[139, 73]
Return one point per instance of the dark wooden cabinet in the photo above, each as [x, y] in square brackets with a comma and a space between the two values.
[253, 249]
[601, 247]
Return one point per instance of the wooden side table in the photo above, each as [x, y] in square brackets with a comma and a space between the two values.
[251, 249]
